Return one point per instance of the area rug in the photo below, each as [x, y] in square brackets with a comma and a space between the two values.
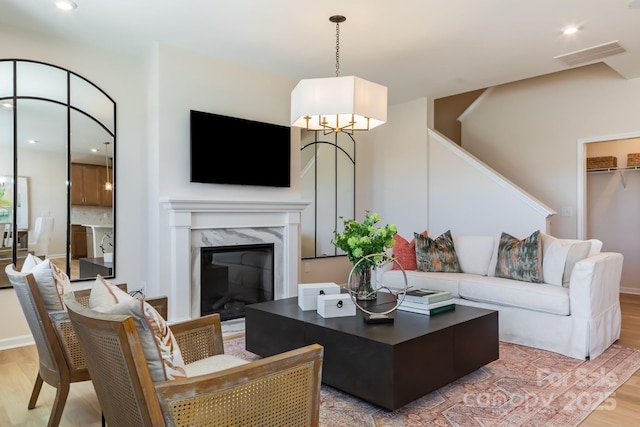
[525, 387]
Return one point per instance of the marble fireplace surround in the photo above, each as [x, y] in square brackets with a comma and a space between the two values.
[195, 224]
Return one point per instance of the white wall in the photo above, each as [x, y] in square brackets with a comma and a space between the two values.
[466, 197]
[528, 130]
[398, 172]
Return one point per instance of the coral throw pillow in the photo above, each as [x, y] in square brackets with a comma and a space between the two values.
[437, 254]
[520, 259]
[405, 252]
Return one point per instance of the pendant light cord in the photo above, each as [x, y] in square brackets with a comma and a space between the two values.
[106, 158]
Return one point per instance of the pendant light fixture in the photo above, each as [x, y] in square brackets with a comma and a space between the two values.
[107, 185]
[338, 104]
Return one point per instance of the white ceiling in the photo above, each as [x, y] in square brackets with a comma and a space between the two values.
[416, 48]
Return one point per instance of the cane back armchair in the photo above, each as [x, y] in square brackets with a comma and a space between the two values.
[279, 390]
[61, 361]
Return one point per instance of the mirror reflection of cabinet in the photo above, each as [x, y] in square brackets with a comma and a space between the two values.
[51, 118]
[78, 241]
[84, 185]
[88, 182]
[327, 179]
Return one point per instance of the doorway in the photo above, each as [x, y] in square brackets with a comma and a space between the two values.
[610, 205]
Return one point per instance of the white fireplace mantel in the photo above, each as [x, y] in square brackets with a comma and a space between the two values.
[194, 205]
[187, 215]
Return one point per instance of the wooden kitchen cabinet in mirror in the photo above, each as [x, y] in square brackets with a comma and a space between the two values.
[58, 135]
[88, 185]
[78, 241]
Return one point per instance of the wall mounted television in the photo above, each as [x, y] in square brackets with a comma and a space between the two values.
[230, 150]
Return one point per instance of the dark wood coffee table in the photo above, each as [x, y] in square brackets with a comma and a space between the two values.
[388, 365]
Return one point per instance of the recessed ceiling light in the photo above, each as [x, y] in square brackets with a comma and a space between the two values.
[65, 5]
[32, 141]
[94, 150]
[7, 105]
[570, 30]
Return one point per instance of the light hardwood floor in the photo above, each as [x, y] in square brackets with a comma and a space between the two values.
[18, 368]
[623, 409]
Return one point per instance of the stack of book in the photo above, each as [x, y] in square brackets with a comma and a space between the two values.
[425, 301]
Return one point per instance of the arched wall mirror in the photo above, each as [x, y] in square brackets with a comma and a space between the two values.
[57, 169]
[327, 179]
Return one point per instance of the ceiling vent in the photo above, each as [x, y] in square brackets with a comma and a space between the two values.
[591, 54]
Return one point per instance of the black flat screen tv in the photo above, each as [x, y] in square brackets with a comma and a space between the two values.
[230, 150]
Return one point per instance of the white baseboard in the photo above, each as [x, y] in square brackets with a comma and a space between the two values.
[13, 342]
[626, 290]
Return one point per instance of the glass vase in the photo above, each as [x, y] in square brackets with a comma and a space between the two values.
[361, 284]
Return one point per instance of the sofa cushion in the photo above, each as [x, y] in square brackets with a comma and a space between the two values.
[474, 253]
[554, 258]
[577, 252]
[494, 256]
[495, 290]
[560, 256]
[437, 254]
[520, 259]
[596, 245]
[160, 347]
[216, 363]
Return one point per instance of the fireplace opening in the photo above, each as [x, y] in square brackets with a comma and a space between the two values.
[234, 276]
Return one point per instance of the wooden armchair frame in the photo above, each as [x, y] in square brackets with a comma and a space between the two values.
[61, 361]
[279, 390]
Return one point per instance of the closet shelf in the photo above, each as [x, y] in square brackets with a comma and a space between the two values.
[622, 171]
[605, 170]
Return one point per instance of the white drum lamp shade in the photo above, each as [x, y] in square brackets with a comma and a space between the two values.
[338, 104]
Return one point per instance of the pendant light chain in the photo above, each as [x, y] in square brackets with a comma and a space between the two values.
[337, 49]
[337, 19]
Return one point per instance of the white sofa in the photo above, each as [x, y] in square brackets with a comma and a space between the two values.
[580, 318]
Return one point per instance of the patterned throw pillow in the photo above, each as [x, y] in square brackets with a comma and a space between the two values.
[436, 254]
[405, 252]
[520, 259]
[160, 347]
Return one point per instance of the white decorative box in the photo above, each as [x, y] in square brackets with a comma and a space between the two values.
[339, 305]
[308, 293]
